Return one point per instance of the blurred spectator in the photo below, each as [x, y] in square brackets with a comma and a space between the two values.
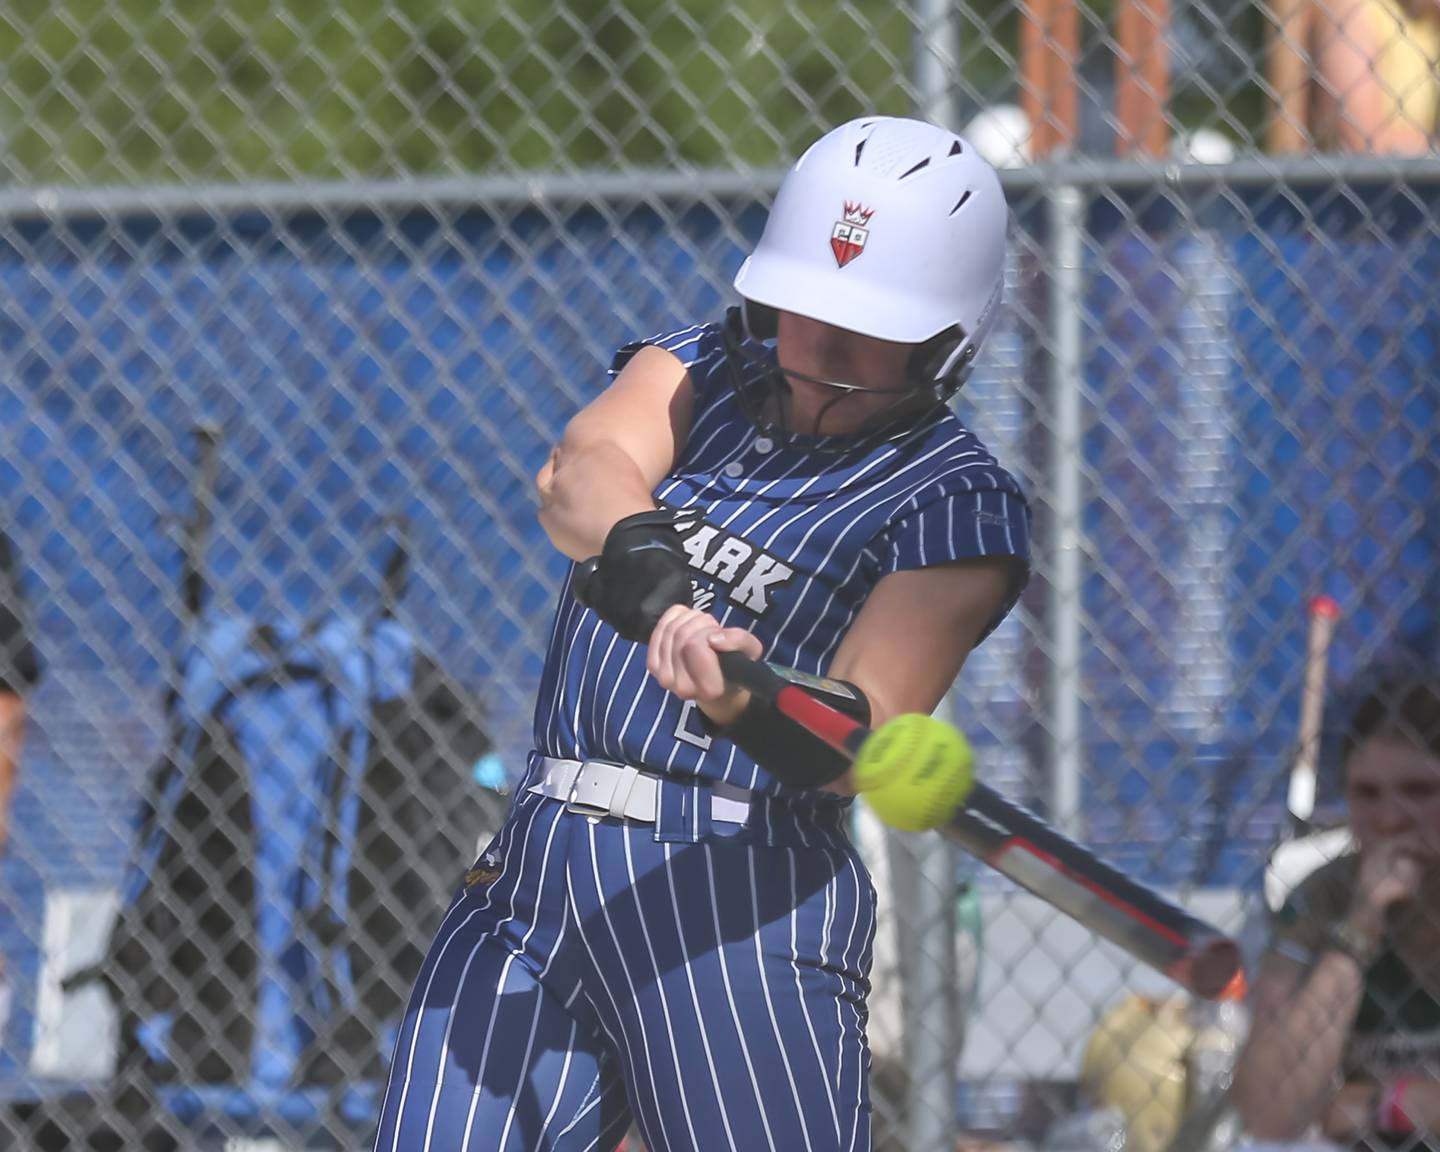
[1346, 1031]
[1001, 134]
[19, 669]
[1133, 1067]
[1356, 76]
[1202, 146]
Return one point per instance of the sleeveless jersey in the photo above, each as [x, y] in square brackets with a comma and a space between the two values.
[796, 532]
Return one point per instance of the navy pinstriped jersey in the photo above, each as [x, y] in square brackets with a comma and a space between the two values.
[796, 532]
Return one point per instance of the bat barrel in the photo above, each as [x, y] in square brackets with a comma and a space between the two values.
[1018, 844]
[1023, 847]
[1211, 969]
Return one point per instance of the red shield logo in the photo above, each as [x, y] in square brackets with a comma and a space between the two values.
[847, 239]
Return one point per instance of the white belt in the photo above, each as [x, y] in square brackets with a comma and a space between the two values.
[602, 788]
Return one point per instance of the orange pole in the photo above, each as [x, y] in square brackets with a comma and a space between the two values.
[1049, 51]
[1142, 78]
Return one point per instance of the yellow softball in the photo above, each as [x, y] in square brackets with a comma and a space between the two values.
[914, 771]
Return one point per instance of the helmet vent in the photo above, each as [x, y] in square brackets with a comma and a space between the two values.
[960, 203]
[859, 148]
[955, 149]
[912, 171]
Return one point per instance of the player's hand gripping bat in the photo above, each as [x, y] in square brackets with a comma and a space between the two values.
[1023, 847]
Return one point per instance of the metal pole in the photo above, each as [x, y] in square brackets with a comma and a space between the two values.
[935, 55]
[1064, 762]
[930, 970]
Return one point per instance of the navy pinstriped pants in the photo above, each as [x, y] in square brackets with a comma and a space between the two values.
[708, 981]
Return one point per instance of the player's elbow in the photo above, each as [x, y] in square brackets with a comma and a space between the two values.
[545, 478]
[560, 483]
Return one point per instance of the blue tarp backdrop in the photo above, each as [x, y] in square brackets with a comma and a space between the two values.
[364, 365]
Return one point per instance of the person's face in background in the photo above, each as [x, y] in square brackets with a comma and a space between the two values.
[1392, 789]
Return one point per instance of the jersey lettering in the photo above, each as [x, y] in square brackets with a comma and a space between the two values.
[687, 728]
[790, 553]
[697, 543]
[726, 560]
[744, 569]
[752, 591]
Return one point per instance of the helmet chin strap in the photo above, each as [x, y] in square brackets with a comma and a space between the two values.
[736, 356]
[845, 391]
[798, 375]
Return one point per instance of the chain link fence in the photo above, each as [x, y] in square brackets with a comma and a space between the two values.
[296, 299]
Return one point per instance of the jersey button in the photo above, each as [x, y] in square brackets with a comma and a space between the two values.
[763, 444]
[734, 468]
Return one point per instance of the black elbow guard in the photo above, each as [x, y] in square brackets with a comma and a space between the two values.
[789, 752]
[641, 572]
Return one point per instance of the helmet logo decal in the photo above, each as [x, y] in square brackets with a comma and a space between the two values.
[847, 240]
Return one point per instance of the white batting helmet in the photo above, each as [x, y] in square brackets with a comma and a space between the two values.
[888, 227]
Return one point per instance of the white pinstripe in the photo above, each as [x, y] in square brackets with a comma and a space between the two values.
[623, 1038]
[890, 503]
[605, 659]
[597, 1098]
[800, 992]
[654, 725]
[847, 964]
[564, 1068]
[828, 652]
[495, 1004]
[695, 1000]
[769, 1001]
[568, 608]
[710, 492]
[950, 533]
[534, 1020]
[419, 1013]
[730, 996]
[625, 972]
[840, 539]
[826, 924]
[580, 689]
[664, 1002]
[602, 1139]
[485, 1050]
[650, 735]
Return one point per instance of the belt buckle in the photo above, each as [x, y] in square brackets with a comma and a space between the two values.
[587, 807]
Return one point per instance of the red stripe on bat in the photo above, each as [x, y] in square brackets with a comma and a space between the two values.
[1114, 901]
[841, 732]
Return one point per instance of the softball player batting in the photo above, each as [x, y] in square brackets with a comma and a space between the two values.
[673, 924]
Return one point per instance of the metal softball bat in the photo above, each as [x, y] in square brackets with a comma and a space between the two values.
[1019, 844]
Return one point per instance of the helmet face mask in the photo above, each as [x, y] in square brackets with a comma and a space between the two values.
[762, 388]
[891, 228]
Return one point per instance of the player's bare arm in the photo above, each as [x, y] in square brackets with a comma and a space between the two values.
[821, 344]
[614, 453]
[917, 628]
[1287, 1069]
[904, 650]
[1303, 1018]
